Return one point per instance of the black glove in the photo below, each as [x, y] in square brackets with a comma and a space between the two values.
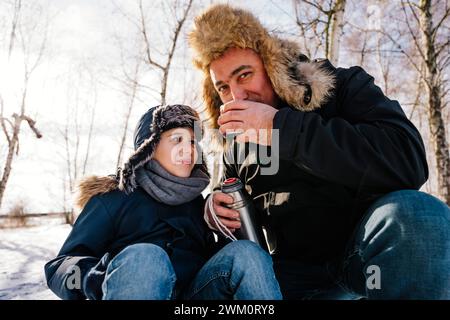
[92, 281]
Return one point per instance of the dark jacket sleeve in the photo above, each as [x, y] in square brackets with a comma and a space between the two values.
[370, 145]
[82, 250]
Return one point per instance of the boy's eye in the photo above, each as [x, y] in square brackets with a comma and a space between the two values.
[222, 89]
[177, 139]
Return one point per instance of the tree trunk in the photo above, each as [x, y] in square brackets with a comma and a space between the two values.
[127, 116]
[337, 25]
[434, 90]
[9, 158]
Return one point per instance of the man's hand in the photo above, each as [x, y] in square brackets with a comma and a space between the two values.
[229, 217]
[247, 117]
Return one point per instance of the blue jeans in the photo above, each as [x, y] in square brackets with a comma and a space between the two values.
[399, 250]
[240, 270]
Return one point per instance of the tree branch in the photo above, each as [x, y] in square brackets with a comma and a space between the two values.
[32, 124]
[3, 119]
[438, 25]
[317, 7]
[411, 31]
[146, 40]
[398, 45]
[418, 95]
[413, 12]
[441, 47]
[177, 33]
[16, 17]
[125, 15]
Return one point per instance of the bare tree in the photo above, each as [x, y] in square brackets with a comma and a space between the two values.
[133, 85]
[163, 67]
[426, 23]
[15, 20]
[78, 129]
[156, 58]
[326, 24]
[436, 58]
[29, 38]
[417, 37]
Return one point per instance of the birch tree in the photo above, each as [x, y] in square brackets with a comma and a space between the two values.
[326, 21]
[27, 41]
[435, 56]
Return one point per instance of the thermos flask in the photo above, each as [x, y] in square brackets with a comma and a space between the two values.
[251, 227]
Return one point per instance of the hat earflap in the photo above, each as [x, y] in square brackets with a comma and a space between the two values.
[142, 155]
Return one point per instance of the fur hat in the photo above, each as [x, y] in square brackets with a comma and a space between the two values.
[296, 80]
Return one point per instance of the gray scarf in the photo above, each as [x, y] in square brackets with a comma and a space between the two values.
[167, 188]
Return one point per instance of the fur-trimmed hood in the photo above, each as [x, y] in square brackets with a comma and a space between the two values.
[92, 186]
[303, 84]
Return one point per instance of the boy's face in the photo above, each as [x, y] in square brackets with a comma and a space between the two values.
[176, 151]
[239, 74]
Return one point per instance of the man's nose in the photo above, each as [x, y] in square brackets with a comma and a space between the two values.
[239, 93]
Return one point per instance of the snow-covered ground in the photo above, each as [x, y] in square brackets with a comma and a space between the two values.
[23, 253]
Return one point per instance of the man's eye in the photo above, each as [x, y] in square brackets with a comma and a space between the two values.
[244, 75]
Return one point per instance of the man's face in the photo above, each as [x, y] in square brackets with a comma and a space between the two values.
[239, 74]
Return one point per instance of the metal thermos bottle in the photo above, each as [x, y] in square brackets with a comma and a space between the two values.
[251, 227]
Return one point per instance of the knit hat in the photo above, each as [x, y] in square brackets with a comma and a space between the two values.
[148, 134]
[296, 80]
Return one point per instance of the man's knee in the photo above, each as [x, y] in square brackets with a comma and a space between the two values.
[414, 215]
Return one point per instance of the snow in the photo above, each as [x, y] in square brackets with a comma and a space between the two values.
[24, 252]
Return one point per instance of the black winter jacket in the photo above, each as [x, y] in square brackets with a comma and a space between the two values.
[333, 163]
[112, 221]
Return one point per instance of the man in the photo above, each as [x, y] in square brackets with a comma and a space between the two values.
[343, 205]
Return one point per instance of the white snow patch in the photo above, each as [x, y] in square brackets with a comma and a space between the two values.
[24, 252]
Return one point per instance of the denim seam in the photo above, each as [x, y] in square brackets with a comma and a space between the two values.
[105, 290]
[212, 278]
[105, 283]
[173, 290]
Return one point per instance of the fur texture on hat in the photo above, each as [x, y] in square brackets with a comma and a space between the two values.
[296, 80]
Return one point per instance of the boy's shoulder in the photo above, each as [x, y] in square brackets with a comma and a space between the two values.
[105, 189]
[117, 201]
[93, 186]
